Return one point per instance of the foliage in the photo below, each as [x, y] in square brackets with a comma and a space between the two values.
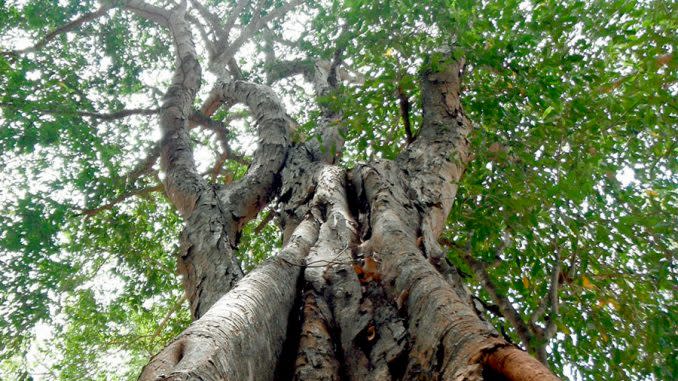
[574, 163]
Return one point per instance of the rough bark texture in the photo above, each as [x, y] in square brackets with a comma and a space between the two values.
[245, 328]
[207, 260]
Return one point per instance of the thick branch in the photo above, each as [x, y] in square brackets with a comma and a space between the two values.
[446, 332]
[278, 70]
[183, 183]
[160, 16]
[206, 256]
[435, 162]
[512, 364]
[449, 339]
[246, 197]
[244, 329]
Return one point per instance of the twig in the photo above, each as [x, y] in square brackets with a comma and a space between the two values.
[119, 199]
[56, 110]
[73, 25]
[167, 317]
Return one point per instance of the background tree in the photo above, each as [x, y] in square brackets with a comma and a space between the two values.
[339, 124]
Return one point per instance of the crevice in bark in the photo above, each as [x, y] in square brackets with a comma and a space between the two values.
[285, 366]
[316, 358]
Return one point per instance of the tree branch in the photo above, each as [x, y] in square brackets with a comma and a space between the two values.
[160, 16]
[183, 183]
[435, 162]
[505, 306]
[246, 197]
[121, 198]
[233, 17]
[71, 26]
[251, 321]
[210, 17]
[227, 54]
[56, 110]
[209, 44]
[404, 102]
[278, 70]
[551, 299]
[175, 307]
[145, 165]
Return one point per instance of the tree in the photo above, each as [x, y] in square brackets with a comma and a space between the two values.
[464, 190]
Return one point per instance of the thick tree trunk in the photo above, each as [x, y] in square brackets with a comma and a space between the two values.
[361, 290]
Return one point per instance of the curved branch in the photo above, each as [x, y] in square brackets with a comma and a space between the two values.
[206, 256]
[160, 16]
[183, 183]
[69, 27]
[246, 197]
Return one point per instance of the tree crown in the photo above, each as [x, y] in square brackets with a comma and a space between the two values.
[573, 168]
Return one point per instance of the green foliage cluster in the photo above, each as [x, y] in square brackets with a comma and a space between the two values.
[574, 163]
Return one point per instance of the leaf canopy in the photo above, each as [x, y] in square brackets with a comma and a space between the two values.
[575, 114]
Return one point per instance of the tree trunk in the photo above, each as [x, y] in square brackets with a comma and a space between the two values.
[361, 289]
